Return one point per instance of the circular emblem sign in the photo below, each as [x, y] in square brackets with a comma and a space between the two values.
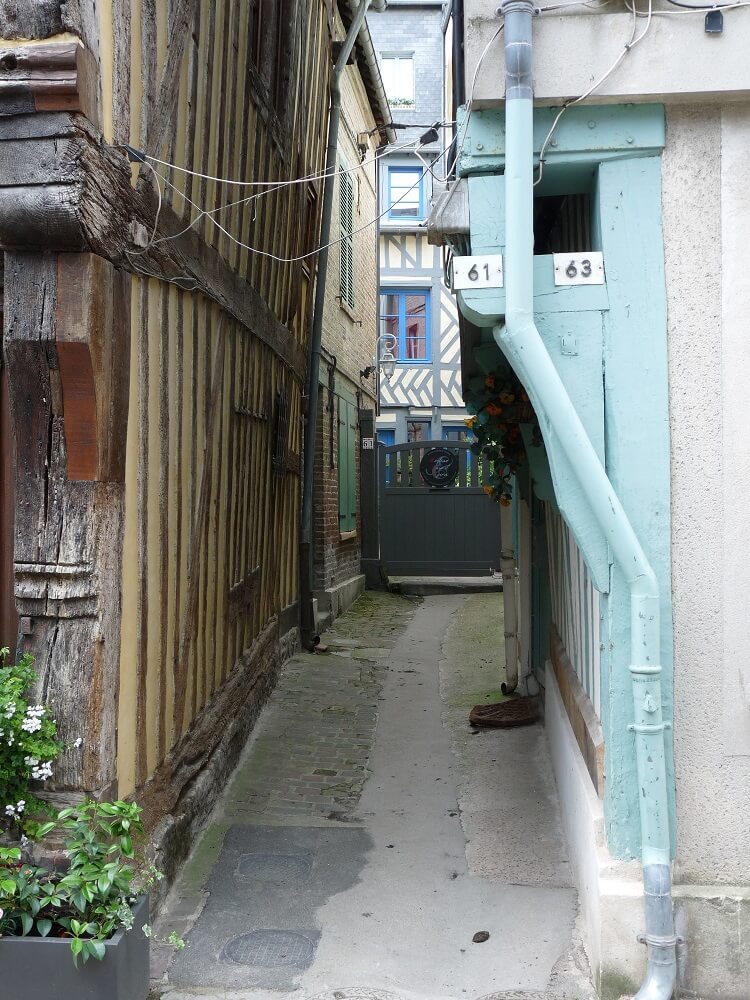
[439, 467]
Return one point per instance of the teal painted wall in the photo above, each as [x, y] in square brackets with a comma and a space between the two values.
[617, 381]
[637, 446]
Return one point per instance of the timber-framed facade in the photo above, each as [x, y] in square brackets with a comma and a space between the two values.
[155, 335]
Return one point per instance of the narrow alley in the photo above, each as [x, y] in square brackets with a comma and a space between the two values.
[368, 833]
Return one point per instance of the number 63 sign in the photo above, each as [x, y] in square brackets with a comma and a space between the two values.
[579, 268]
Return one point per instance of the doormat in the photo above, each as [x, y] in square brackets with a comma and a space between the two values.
[522, 711]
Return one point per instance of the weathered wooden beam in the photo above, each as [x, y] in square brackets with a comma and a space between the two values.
[30, 18]
[48, 76]
[197, 535]
[182, 18]
[68, 523]
[83, 199]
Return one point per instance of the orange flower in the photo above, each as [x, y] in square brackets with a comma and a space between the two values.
[493, 409]
[505, 501]
[488, 490]
[490, 382]
[470, 421]
[507, 397]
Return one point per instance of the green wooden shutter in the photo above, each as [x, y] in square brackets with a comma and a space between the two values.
[347, 466]
[346, 225]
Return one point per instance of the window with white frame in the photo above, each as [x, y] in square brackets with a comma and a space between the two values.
[397, 69]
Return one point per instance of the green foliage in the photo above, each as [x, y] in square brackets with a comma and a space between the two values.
[28, 746]
[92, 899]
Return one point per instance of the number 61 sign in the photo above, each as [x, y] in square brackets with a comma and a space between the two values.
[478, 272]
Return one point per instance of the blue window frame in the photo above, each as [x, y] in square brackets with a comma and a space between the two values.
[386, 435]
[405, 317]
[405, 194]
[457, 432]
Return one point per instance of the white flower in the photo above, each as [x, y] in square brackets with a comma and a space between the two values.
[10, 810]
[21, 805]
[31, 761]
[78, 743]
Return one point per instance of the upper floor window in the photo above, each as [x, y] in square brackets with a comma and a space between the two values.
[405, 316]
[398, 78]
[405, 194]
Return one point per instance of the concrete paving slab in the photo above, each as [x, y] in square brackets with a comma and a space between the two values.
[384, 889]
[259, 926]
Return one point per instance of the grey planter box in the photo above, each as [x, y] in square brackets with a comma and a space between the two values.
[42, 968]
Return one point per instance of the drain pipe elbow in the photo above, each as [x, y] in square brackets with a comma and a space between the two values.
[660, 939]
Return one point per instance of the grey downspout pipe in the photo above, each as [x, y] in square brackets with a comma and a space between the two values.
[521, 343]
[307, 616]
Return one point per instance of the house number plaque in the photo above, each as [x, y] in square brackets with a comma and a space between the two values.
[484, 271]
[578, 268]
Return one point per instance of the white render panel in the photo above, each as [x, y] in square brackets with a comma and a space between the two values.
[677, 60]
[706, 213]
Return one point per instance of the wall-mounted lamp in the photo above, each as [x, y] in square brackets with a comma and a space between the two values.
[384, 362]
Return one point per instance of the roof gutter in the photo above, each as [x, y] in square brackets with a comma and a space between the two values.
[369, 69]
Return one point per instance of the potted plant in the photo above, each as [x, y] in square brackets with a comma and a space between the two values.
[55, 920]
[77, 927]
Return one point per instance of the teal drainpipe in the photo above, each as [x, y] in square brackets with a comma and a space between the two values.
[521, 343]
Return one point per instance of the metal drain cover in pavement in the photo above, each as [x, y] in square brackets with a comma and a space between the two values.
[270, 949]
[281, 869]
[355, 993]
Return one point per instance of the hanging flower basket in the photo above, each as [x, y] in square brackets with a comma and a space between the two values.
[501, 407]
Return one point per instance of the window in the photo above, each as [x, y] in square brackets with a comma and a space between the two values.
[457, 432]
[398, 78]
[405, 317]
[405, 194]
[347, 466]
[386, 435]
[417, 430]
[346, 224]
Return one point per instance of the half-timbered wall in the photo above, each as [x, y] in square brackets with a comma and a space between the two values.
[434, 387]
[210, 532]
[202, 502]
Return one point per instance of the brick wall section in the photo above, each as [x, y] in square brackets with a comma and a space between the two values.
[349, 336]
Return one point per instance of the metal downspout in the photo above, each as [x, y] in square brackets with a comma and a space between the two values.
[508, 569]
[307, 615]
[520, 341]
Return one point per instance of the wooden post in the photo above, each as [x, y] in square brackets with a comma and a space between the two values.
[368, 502]
[66, 338]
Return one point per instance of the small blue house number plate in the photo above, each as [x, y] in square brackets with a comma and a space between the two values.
[484, 271]
[578, 268]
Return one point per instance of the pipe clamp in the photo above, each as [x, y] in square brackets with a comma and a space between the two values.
[657, 727]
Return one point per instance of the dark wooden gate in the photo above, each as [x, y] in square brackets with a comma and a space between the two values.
[443, 531]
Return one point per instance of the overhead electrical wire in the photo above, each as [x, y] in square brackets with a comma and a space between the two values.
[264, 253]
[142, 157]
[470, 102]
[629, 46]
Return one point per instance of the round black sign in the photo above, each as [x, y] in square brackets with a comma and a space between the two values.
[439, 467]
